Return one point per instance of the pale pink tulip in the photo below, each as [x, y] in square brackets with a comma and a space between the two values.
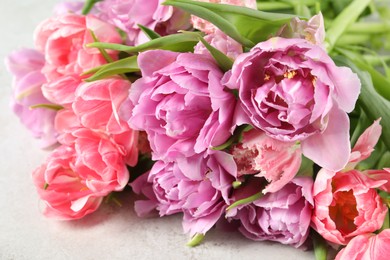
[278, 162]
[206, 26]
[312, 30]
[222, 42]
[62, 39]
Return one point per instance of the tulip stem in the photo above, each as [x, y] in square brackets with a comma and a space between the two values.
[320, 246]
[46, 106]
[246, 200]
[88, 6]
[196, 240]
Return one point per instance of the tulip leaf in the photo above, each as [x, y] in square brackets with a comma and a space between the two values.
[122, 66]
[245, 25]
[381, 83]
[224, 62]
[341, 23]
[373, 104]
[149, 32]
[102, 51]
[181, 42]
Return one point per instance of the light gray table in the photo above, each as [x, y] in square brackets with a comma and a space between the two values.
[110, 233]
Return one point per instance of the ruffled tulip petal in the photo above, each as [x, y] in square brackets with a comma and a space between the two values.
[365, 144]
[345, 97]
[330, 149]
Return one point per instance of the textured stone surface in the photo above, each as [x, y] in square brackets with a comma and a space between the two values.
[111, 233]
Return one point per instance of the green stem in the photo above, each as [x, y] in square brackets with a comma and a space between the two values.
[236, 184]
[88, 6]
[196, 240]
[246, 200]
[47, 106]
[320, 246]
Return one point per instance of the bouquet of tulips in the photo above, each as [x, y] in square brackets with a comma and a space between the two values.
[258, 116]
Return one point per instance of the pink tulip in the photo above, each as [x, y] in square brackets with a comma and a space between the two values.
[293, 91]
[367, 247]
[68, 7]
[127, 14]
[62, 39]
[278, 162]
[222, 42]
[74, 180]
[62, 90]
[26, 65]
[312, 30]
[208, 27]
[101, 106]
[346, 202]
[181, 104]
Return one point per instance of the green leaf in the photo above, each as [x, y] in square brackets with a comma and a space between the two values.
[224, 62]
[384, 162]
[386, 222]
[245, 25]
[149, 32]
[341, 23]
[122, 66]
[381, 83]
[362, 123]
[181, 42]
[102, 51]
[373, 104]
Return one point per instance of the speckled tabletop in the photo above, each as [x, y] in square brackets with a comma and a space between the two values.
[112, 232]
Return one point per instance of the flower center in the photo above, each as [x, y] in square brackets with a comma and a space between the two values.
[343, 211]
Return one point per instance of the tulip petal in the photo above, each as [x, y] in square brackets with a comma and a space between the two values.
[366, 142]
[330, 149]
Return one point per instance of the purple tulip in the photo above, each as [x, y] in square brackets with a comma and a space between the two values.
[181, 104]
[26, 65]
[283, 216]
[198, 186]
[292, 90]
[127, 14]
